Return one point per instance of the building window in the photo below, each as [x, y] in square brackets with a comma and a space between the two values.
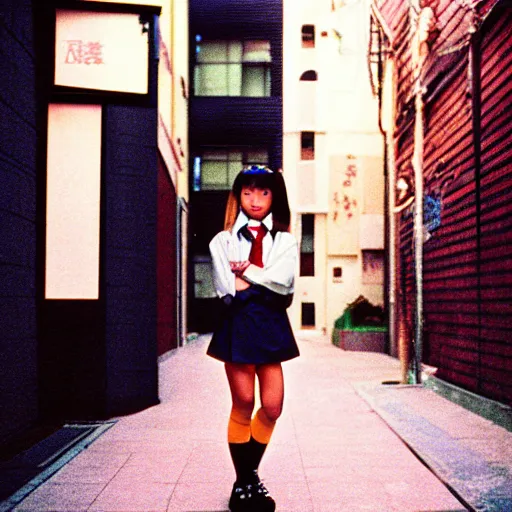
[307, 145]
[308, 36]
[203, 278]
[373, 267]
[308, 314]
[337, 274]
[307, 245]
[309, 76]
[216, 168]
[232, 68]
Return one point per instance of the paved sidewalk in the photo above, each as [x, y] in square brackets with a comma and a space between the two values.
[470, 454]
[331, 451]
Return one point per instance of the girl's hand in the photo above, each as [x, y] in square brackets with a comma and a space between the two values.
[241, 284]
[238, 267]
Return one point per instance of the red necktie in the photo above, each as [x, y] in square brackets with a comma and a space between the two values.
[256, 255]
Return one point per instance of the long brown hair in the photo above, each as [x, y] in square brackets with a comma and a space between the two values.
[260, 178]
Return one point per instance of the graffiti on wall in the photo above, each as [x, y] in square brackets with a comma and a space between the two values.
[345, 202]
[432, 208]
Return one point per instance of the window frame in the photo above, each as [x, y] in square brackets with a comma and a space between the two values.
[309, 75]
[375, 256]
[308, 35]
[304, 307]
[307, 257]
[201, 285]
[307, 151]
[246, 161]
[245, 65]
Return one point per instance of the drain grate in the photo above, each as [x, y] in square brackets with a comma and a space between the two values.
[50, 449]
[30, 468]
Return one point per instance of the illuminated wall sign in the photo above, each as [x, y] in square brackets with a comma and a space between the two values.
[101, 51]
[73, 202]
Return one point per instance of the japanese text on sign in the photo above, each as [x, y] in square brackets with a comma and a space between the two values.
[81, 52]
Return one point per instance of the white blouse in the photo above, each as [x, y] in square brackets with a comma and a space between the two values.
[279, 258]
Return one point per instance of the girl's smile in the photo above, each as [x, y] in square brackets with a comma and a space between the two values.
[256, 202]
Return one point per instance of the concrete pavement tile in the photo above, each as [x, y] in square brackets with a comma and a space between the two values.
[115, 447]
[350, 435]
[324, 434]
[496, 448]
[376, 441]
[122, 431]
[283, 436]
[414, 499]
[133, 495]
[330, 451]
[380, 453]
[319, 414]
[151, 442]
[142, 446]
[209, 463]
[352, 505]
[321, 456]
[363, 494]
[91, 468]
[402, 472]
[341, 473]
[290, 496]
[200, 497]
[61, 497]
[164, 467]
[360, 422]
[282, 463]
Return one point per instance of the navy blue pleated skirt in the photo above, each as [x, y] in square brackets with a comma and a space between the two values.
[254, 329]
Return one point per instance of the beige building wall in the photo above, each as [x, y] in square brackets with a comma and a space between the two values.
[173, 85]
[343, 186]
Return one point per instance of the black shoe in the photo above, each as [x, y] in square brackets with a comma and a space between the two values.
[261, 498]
[241, 498]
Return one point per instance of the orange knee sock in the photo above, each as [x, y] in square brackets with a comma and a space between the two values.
[262, 427]
[239, 427]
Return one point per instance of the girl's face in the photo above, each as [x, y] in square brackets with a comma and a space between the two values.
[256, 202]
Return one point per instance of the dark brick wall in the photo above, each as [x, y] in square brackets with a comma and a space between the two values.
[18, 347]
[130, 216]
[237, 120]
[242, 20]
[231, 121]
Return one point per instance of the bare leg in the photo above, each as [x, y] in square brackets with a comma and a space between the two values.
[241, 384]
[270, 377]
[241, 378]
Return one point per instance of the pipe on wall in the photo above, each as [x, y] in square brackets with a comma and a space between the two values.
[385, 89]
[417, 165]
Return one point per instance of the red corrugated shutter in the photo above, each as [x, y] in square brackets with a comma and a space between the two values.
[467, 280]
[496, 209]
[450, 255]
[167, 286]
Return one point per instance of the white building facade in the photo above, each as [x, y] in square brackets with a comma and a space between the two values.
[332, 159]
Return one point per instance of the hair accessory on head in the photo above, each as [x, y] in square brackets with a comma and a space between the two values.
[257, 169]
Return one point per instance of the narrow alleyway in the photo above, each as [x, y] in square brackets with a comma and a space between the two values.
[331, 451]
